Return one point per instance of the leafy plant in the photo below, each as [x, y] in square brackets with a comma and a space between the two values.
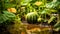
[57, 26]
[6, 16]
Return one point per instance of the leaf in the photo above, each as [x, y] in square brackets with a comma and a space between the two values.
[9, 5]
[51, 19]
[52, 4]
[25, 2]
[46, 11]
[8, 14]
[57, 26]
[3, 18]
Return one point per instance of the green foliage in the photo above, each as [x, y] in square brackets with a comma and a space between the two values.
[47, 7]
[40, 20]
[6, 16]
[57, 26]
[51, 19]
[52, 4]
[25, 2]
